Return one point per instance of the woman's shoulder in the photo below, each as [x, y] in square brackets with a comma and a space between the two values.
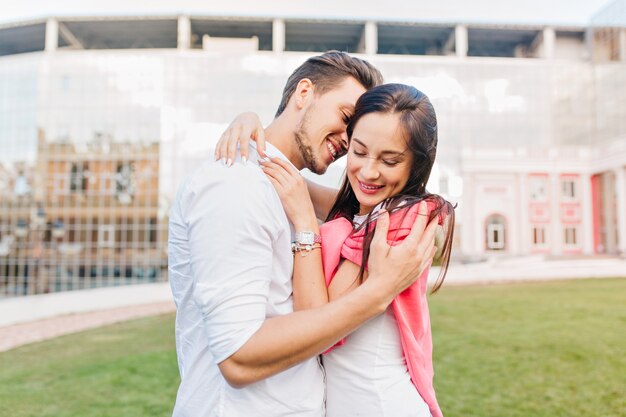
[407, 213]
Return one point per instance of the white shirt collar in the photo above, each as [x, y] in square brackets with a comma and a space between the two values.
[270, 150]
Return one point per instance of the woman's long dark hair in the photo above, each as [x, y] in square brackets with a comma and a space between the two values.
[419, 124]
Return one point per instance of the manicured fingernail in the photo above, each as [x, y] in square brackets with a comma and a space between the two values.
[224, 161]
[244, 160]
[229, 162]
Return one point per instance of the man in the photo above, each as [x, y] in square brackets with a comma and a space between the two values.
[242, 351]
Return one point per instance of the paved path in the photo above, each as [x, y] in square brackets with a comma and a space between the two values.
[32, 319]
[17, 310]
[24, 333]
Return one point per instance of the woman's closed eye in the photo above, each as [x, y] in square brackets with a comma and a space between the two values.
[391, 162]
[388, 162]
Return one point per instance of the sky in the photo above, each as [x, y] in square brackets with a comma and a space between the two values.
[539, 12]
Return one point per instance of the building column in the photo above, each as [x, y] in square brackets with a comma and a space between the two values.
[371, 38]
[524, 222]
[549, 39]
[184, 32]
[52, 34]
[556, 230]
[620, 194]
[622, 45]
[469, 222]
[278, 35]
[586, 199]
[461, 40]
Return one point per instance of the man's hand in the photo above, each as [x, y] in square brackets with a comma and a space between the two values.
[397, 267]
[246, 126]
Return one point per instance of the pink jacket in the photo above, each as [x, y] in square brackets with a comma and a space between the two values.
[410, 307]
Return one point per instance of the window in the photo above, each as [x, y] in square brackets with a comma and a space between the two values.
[569, 189]
[106, 235]
[570, 236]
[539, 235]
[124, 186]
[123, 178]
[78, 177]
[153, 230]
[495, 232]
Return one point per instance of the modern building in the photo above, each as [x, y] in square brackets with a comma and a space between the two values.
[101, 117]
[86, 216]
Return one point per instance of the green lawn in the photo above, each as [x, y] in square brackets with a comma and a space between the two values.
[124, 370]
[543, 349]
[531, 350]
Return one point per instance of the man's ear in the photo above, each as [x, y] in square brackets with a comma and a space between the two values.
[304, 93]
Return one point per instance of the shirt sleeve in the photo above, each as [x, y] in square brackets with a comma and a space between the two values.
[231, 229]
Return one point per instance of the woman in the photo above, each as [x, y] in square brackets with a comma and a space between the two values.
[385, 366]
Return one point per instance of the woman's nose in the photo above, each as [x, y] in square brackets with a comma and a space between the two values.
[369, 171]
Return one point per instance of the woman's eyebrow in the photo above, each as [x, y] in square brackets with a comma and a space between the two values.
[386, 152]
[396, 153]
[359, 142]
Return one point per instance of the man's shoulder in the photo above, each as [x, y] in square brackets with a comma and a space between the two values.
[240, 187]
[214, 174]
[240, 193]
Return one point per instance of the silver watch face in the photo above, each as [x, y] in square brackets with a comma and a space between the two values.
[305, 238]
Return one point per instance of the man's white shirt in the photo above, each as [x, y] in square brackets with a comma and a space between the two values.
[230, 268]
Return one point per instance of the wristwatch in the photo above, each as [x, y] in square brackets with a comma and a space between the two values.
[307, 238]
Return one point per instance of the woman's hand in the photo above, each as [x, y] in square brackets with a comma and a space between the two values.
[293, 193]
[246, 126]
[394, 266]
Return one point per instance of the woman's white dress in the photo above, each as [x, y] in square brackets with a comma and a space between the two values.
[367, 376]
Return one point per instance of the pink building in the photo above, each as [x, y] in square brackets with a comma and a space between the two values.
[555, 201]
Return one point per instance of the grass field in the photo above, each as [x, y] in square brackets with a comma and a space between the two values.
[542, 349]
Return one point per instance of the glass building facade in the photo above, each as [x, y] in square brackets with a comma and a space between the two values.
[94, 141]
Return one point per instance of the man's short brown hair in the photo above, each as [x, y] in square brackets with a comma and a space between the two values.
[327, 71]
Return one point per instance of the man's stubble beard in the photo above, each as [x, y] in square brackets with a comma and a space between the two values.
[303, 141]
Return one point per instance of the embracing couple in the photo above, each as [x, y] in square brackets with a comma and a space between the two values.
[279, 316]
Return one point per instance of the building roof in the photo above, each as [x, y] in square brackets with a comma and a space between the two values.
[529, 12]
